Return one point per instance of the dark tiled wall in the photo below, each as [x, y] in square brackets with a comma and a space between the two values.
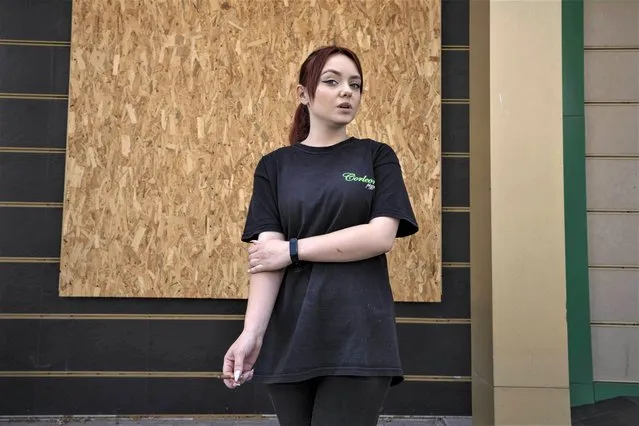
[52, 363]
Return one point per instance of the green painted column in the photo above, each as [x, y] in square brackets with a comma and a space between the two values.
[576, 228]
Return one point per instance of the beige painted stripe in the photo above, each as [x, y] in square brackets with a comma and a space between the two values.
[57, 260]
[193, 317]
[456, 101]
[447, 321]
[138, 317]
[42, 205]
[418, 378]
[53, 96]
[44, 43]
[450, 47]
[612, 211]
[456, 209]
[183, 375]
[53, 205]
[611, 48]
[114, 419]
[63, 150]
[604, 103]
[35, 96]
[115, 374]
[613, 267]
[26, 41]
[631, 381]
[456, 264]
[25, 150]
[455, 154]
[34, 44]
[615, 323]
[613, 157]
[67, 43]
[29, 260]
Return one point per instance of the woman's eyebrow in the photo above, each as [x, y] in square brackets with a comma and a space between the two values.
[340, 74]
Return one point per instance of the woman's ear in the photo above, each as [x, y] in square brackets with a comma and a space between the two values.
[302, 95]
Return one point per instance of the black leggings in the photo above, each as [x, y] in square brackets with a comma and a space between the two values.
[330, 401]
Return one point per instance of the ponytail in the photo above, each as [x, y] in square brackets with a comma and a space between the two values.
[301, 125]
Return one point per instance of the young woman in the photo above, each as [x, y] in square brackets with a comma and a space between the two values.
[324, 212]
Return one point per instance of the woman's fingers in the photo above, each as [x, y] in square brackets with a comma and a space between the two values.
[255, 269]
[254, 246]
[227, 368]
[246, 377]
[254, 262]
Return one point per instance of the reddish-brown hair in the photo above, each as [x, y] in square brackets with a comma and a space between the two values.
[309, 76]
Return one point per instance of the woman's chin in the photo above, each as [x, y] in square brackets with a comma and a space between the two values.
[343, 121]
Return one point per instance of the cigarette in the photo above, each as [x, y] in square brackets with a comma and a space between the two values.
[238, 374]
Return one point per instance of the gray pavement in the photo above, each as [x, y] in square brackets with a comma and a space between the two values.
[203, 421]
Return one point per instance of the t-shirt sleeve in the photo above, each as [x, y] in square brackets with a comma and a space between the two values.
[263, 214]
[391, 197]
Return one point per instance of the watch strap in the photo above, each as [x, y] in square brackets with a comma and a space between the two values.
[292, 245]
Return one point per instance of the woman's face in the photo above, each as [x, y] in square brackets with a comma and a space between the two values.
[338, 92]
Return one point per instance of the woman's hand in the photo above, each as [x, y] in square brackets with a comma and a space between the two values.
[240, 358]
[268, 256]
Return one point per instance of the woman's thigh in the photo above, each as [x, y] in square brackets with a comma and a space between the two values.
[293, 402]
[348, 400]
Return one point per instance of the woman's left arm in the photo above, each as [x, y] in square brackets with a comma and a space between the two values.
[351, 244]
[346, 245]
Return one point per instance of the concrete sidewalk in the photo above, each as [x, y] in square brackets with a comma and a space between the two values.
[202, 421]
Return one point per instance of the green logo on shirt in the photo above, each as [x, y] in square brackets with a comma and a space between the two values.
[352, 177]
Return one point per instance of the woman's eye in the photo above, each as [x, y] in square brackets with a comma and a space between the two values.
[331, 82]
[356, 86]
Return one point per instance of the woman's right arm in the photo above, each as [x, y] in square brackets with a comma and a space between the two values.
[263, 291]
[243, 353]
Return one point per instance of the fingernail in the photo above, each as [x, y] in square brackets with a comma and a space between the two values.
[237, 375]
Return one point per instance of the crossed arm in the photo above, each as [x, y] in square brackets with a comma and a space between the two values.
[270, 254]
[346, 245]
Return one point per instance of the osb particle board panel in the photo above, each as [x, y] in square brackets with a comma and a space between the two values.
[172, 103]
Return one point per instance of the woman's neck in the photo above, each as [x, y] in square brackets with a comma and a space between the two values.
[324, 136]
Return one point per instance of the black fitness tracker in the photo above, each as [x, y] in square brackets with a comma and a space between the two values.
[292, 246]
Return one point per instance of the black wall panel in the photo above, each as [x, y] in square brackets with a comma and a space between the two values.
[455, 83]
[455, 182]
[455, 241]
[35, 20]
[137, 396]
[429, 398]
[31, 177]
[34, 69]
[455, 23]
[18, 396]
[33, 288]
[30, 232]
[185, 345]
[33, 123]
[34, 60]
[455, 128]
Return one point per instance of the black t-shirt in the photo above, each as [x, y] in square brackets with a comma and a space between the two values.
[329, 318]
